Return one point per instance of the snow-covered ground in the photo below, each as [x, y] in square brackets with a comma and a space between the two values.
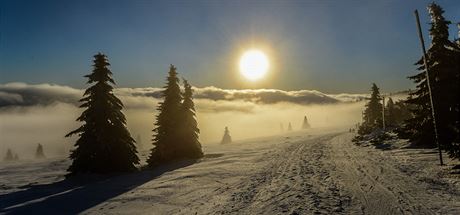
[312, 172]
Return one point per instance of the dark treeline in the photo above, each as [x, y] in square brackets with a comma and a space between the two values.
[412, 118]
[11, 156]
[396, 113]
[443, 59]
[104, 143]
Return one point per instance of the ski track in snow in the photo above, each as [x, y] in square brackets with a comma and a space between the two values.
[378, 185]
[298, 173]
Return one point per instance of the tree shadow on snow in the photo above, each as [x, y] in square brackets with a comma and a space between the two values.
[77, 194]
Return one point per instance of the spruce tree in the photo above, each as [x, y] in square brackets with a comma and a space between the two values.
[402, 112]
[443, 74]
[191, 146]
[226, 138]
[390, 113]
[39, 154]
[453, 148]
[166, 139]
[305, 124]
[289, 127]
[9, 155]
[373, 112]
[104, 144]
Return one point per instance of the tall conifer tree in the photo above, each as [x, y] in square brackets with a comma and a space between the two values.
[9, 155]
[166, 139]
[443, 74]
[104, 144]
[189, 132]
[39, 152]
[305, 124]
[226, 138]
[454, 147]
[372, 118]
[390, 113]
[373, 112]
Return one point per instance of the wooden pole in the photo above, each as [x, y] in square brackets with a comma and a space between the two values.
[383, 113]
[420, 35]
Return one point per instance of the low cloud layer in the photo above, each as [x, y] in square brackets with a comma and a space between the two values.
[44, 113]
[21, 94]
[23, 127]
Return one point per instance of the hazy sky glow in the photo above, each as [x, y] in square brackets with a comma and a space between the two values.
[330, 46]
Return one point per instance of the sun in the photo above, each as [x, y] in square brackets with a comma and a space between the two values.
[254, 65]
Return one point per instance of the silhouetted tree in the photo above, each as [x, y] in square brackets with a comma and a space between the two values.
[226, 138]
[305, 124]
[166, 138]
[453, 147]
[190, 145]
[443, 73]
[402, 112]
[9, 155]
[390, 113]
[39, 152]
[289, 127]
[372, 118]
[104, 143]
[16, 157]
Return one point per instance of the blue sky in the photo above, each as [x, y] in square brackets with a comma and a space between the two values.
[330, 46]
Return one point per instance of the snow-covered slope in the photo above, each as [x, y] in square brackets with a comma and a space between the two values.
[315, 172]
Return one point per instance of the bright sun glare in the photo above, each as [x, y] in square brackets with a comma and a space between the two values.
[253, 65]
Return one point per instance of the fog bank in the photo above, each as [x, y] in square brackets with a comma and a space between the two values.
[45, 113]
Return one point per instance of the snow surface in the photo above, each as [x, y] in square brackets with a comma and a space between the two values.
[308, 172]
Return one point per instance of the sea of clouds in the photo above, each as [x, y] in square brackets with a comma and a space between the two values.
[45, 113]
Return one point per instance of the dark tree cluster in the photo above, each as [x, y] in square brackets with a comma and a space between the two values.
[443, 60]
[396, 113]
[413, 118]
[10, 156]
[393, 114]
[176, 131]
[104, 143]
